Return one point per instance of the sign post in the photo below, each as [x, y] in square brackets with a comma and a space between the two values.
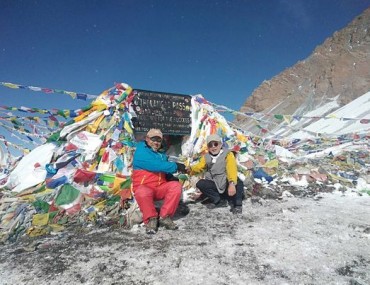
[165, 111]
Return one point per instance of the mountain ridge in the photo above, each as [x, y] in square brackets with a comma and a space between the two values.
[338, 69]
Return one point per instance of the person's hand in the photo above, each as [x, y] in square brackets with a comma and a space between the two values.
[231, 189]
[181, 167]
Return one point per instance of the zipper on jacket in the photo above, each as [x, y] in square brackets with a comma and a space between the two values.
[142, 180]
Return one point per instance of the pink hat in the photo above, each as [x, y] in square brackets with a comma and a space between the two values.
[154, 133]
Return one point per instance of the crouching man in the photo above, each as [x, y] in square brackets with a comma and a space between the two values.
[220, 182]
[150, 167]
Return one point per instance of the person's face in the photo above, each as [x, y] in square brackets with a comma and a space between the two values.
[214, 147]
[154, 142]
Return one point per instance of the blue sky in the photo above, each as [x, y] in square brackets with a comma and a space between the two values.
[220, 49]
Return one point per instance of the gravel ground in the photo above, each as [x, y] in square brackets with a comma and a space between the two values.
[319, 240]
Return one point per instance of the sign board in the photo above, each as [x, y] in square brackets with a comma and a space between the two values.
[165, 111]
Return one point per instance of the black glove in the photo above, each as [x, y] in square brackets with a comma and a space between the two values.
[181, 167]
[170, 177]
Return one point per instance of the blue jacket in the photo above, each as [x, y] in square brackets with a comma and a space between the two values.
[147, 159]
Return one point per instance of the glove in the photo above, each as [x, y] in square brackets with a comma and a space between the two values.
[170, 177]
[181, 167]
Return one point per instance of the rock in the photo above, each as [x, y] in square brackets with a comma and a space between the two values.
[339, 66]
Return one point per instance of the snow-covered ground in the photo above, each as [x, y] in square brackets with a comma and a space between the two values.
[320, 240]
[353, 118]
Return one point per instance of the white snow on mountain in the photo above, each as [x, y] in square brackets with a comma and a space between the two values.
[328, 121]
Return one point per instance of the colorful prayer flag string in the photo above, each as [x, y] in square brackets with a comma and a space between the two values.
[280, 117]
[55, 112]
[73, 95]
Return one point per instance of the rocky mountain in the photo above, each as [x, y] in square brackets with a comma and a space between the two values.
[338, 69]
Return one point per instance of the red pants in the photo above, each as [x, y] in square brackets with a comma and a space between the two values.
[169, 192]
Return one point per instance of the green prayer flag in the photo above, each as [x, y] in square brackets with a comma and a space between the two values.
[126, 184]
[41, 206]
[279, 117]
[67, 195]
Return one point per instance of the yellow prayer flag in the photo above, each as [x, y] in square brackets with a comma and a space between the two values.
[37, 231]
[128, 128]
[271, 164]
[117, 183]
[92, 128]
[100, 205]
[29, 198]
[11, 85]
[287, 118]
[241, 137]
[40, 219]
[72, 94]
[56, 227]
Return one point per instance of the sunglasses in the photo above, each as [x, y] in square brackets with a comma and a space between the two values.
[213, 144]
[156, 139]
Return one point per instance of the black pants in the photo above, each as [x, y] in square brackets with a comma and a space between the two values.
[209, 189]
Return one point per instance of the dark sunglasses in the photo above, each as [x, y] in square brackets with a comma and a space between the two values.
[156, 139]
[213, 144]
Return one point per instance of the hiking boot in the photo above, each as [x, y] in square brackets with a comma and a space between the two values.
[167, 223]
[221, 204]
[237, 210]
[152, 226]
